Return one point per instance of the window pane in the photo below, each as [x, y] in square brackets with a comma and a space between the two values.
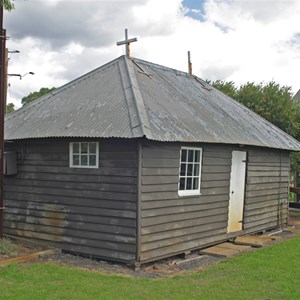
[190, 156]
[181, 184]
[183, 170]
[189, 183]
[75, 160]
[197, 156]
[92, 160]
[92, 148]
[183, 155]
[196, 184]
[84, 160]
[196, 170]
[75, 148]
[84, 148]
[190, 170]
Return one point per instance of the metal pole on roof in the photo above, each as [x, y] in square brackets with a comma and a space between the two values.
[2, 111]
[190, 63]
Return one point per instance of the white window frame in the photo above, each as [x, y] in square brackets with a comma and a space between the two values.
[71, 165]
[190, 192]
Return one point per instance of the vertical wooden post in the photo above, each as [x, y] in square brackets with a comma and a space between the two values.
[2, 111]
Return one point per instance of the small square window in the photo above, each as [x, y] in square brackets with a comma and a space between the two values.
[190, 171]
[84, 155]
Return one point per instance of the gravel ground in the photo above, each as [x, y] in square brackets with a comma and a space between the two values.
[162, 268]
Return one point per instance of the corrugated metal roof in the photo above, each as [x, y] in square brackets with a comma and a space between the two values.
[131, 98]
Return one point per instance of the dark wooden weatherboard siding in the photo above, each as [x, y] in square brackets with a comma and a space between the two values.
[171, 224]
[90, 211]
[267, 188]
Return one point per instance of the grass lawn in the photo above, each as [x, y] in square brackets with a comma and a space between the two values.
[268, 273]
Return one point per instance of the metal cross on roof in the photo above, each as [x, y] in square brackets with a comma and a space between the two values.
[127, 42]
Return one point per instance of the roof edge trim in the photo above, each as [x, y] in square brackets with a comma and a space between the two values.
[136, 106]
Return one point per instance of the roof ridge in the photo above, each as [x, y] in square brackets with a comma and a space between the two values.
[136, 106]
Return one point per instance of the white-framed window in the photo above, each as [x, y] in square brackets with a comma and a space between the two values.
[84, 155]
[190, 171]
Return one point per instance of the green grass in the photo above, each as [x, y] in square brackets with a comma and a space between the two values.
[268, 273]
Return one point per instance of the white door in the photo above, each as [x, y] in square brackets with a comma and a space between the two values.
[237, 191]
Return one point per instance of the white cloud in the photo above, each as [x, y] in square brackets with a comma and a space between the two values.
[236, 40]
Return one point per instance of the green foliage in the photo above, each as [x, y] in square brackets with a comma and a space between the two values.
[10, 107]
[7, 247]
[35, 95]
[8, 5]
[227, 88]
[271, 101]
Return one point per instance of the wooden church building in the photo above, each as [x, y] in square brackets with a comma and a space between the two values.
[134, 162]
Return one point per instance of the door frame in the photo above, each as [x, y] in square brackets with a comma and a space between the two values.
[238, 217]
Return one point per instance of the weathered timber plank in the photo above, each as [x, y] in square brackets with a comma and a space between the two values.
[76, 201]
[182, 232]
[75, 244]
[161, 153]
[160, 188]
[266, 186]
[262, 212]
[205, 202]
[268, 158]
[215, 177]
[216, 169]
[148, 246]
[255, 223]
[95, 238]
[159, 196]
[215, 184]
[160, 171]
[259, 179]
[148, 180]
[214, 161]
[95, 211]
[68, 224]
[268, 173]
[106, 187]
[259, 217]
[259, 205]
[181, 247]
[76, 217]
[177, 217]
[66, 170]
[87, 178]
[181, 209]
[256, 199]
[72, 193]
[215, 191]
[160, 163]
[118, 163]
[202, 220]
[265, 192]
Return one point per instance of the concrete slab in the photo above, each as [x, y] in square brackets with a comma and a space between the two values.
[240, 248]
[225, 250]
[253, 241]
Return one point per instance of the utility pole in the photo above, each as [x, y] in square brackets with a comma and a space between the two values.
[2, 110]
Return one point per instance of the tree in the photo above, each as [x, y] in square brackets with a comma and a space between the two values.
[10, 107]
[271, 101]
[8, 5]
[35, 95]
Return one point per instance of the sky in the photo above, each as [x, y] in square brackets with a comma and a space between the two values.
[232, 40]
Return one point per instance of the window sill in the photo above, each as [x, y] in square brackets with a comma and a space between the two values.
[189, 193]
